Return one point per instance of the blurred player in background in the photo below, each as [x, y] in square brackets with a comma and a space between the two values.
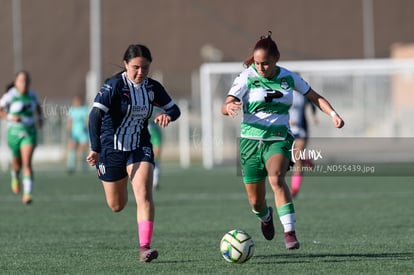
[120, 141]
[299, 127]
[264, 91]
[156, 141]
[20, 106]
[78, 133]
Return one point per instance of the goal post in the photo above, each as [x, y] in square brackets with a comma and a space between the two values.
[207, 89]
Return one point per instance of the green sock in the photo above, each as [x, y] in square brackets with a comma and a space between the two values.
[264, 215]
[287, 216]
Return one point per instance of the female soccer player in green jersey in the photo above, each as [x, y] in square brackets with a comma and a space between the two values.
[264, 91]
[20, 106]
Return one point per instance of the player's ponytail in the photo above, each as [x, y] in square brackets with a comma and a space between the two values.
[265, 43]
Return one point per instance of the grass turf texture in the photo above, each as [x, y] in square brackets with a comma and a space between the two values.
[346, 225]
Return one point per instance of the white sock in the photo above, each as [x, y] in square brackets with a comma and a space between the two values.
[288, 222]
[27, 185]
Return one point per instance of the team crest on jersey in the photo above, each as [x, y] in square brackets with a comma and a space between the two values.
[102, 169]
[256, 83]
[151, 95]
[284, 84]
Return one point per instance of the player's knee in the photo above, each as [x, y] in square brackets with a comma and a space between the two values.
[257, 204]
[116, 206]
[277, 180]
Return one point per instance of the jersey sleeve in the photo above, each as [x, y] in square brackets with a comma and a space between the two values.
[239, 87]
[5, 100]
[300, 85]
[104, 97]
[161, 98]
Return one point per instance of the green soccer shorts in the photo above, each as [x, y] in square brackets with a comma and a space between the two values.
[20, 136]
[255, 153]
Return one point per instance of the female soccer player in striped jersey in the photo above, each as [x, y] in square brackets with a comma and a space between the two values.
[120, 141]
[264, 91]
[20, 106]
[299, 128]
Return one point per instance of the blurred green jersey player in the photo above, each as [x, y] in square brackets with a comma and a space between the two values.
[20, 106]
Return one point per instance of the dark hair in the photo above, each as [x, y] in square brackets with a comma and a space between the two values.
[265, 43]
[26, 75]
[137, 50]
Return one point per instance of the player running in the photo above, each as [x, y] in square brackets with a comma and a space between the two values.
[78, 133]
[120, 141]
[156, 141]
[299, 128]
[264, 91]
[20, 106]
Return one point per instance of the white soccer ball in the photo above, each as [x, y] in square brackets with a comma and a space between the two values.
[237, 246]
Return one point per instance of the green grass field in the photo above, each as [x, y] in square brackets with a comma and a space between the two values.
[346, 225]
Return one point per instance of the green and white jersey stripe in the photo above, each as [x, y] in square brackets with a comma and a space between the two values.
[22, 105]
[266, 102]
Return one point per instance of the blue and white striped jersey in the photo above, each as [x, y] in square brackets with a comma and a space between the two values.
[127, 107]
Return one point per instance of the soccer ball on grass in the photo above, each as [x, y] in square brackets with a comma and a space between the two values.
[237, 246]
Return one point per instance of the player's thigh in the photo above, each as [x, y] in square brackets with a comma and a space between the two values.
[299, 144]
[116, 193]
[26, 152]
[278, 156]
[256, 193]
[277, 166]
[141, 175]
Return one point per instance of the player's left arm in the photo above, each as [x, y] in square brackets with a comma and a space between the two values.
[325, 107]
[39, 112]
[171, 110]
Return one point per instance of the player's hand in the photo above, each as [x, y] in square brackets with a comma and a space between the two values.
[92, 158]
[14, 118]
[163, 120]
[337, 121]
[233, 107]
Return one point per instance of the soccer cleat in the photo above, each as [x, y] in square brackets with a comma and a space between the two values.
[15, 186]
[268, 228]
[27, 199]
[291, 241]
[146, 254]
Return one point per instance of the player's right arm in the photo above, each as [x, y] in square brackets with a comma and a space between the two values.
[99, 108]
[232, 104]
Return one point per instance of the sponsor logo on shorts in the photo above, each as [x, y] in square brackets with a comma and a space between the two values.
[147, 151]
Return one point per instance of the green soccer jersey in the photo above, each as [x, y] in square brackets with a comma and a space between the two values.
[21, 105]
[266, 102]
